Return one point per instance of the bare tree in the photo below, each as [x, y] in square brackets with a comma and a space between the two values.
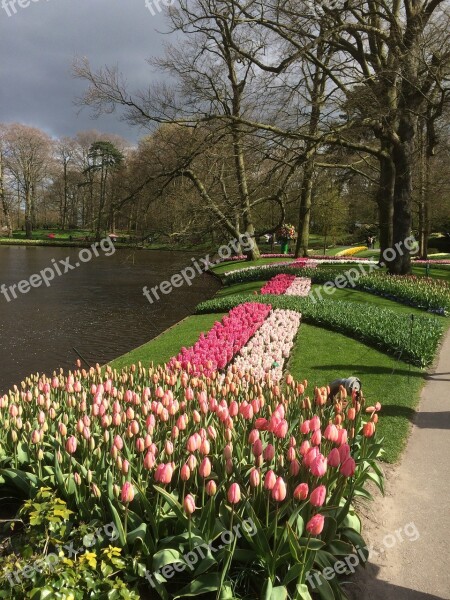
[27, 155]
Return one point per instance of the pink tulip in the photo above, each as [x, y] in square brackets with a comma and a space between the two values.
[118, 442]
[234, 494]
[189, 505]
[185, 472]
[348, 467]
[318, 495]
[257, 448]
[269, 480]
[281, 429]
[304, 427]
[331, 433]
[294, 468]
[301, 491]
[253, 436]
[314, 423]
[211, 488]
[319, 466]
[71, 445]
[315, 525]
[342, 436]
[344, 452]
[316, 438]
[269, 453]
[279, 490]
[305, 448]
[127, 494]
[149, 461]
[291, 454]
[205, 468]
[254, 478]
[334, 459]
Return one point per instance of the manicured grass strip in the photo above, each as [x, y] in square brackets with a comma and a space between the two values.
[384, 329]
[320, 356]
[167, 344]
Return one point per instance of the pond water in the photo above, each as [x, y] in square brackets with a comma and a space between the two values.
[98, 308]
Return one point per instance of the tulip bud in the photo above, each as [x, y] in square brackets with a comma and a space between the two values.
[234, 494]
[189, 505]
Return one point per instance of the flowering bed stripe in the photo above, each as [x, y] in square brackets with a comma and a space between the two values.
[216, 349]
[278, 284]
[271, 345]
[301, 286]
[300, 263]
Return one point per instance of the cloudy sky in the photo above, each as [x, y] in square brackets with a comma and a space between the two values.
[38, 45]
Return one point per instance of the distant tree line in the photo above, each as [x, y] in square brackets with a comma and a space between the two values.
[324, 115]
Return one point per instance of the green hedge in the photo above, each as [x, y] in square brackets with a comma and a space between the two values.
[421, 292]
[381, 328]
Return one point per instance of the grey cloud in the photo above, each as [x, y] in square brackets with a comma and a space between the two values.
[38, 45]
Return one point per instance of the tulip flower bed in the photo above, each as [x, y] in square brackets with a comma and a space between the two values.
[288, 285]
[278, 284]
[175, 462]
[216, 349]
[415, 342]
[301, 286]
[266, 352]
[351, 251]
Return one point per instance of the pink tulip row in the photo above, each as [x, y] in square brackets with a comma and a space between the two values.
[267, 351]
[278, 284]
[301, 286]
[218, 347]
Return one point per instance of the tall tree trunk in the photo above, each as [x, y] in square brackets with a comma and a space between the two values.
[385, 202]
[4, 203]
[28, 212]
[403, 156]
[304, 214]
[64, 207]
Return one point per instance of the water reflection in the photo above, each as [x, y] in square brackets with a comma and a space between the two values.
[98, 308]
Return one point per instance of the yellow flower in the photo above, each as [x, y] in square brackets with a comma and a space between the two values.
[90, 558]
[112, 552]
